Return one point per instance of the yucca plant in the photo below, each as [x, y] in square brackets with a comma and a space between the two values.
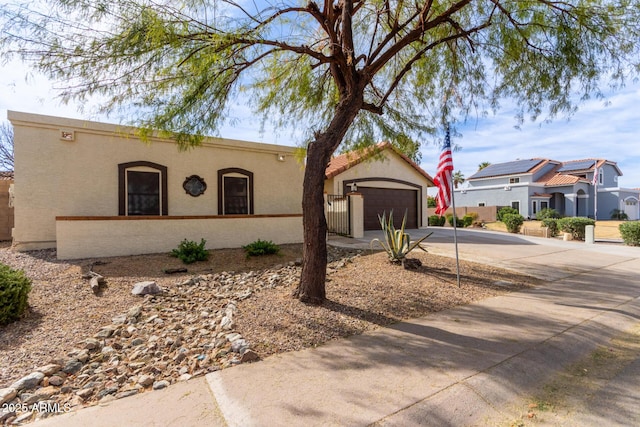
[397, 244]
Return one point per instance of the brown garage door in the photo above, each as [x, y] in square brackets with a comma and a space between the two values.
[379, 200]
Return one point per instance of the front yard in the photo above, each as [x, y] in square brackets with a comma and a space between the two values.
[115, 344]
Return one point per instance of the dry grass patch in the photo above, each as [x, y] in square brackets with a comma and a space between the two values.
[366, 294]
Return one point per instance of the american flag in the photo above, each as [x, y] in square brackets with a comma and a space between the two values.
[595, 176]
[442, 180]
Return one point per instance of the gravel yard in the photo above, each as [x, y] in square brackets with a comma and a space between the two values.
[364, 290]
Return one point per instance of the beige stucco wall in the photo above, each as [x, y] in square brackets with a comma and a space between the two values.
[391, 166]
[109, 237]
[55, 177]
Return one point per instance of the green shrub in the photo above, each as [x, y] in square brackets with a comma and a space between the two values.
[619, 214]
[397, 244]
[261, 247]
[437, 220]
[450, 220]
[575, 226]
[513, 222]
[14, 293]
[547, 213]
[630, 232]
[552, 224]
[189, 251]
[431, 202]
[506, 210]
[469, 219]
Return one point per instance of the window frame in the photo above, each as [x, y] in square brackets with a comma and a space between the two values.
[236, 173]
[141, 166]
[514, 180]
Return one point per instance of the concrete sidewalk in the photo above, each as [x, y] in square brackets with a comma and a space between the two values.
[472, 365]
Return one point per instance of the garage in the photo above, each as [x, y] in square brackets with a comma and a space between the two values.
[631, 208]
[384, 179]
[379, 200]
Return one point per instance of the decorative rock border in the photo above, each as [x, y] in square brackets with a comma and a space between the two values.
[181, 332]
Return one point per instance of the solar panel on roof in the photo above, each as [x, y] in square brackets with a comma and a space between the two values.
[577, 166]
[509, 168]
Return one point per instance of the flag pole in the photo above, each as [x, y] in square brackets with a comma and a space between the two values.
[595, 201]
[455, 226]
[596, 177]
[444, 181]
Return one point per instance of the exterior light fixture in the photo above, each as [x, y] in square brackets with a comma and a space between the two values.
[67, 135]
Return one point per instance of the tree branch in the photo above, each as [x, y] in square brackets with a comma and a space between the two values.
[421, 52]
[421, 27]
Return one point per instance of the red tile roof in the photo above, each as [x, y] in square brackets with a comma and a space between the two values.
[561, 179]
[345, 161]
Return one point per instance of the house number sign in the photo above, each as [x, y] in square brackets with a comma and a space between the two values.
[194, 185]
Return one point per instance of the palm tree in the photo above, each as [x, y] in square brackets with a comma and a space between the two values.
[458, 178]
[483, 165]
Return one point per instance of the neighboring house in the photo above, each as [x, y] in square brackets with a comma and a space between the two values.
[93, 189]
[388, 181]
[533, 184]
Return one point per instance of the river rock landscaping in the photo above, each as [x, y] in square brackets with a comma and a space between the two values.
[76, 348]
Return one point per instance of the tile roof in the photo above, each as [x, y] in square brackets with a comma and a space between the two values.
[345, 161]
[6, 175]
[562, 179]
[562, 175]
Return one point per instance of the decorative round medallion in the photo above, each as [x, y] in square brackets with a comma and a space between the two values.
[194, 185]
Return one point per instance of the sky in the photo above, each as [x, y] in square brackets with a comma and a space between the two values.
[598, 130]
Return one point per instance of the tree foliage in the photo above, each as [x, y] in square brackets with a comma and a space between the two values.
[6, 147]
[483, 165]
[342, 71]
[179, 65]
[458, 178]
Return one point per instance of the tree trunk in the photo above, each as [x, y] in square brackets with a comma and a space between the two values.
[314, 254]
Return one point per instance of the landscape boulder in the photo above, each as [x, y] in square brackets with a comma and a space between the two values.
[147, 287]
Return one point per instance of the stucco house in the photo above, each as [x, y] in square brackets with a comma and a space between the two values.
[93, 189]
[530, 185]
[388, 181]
